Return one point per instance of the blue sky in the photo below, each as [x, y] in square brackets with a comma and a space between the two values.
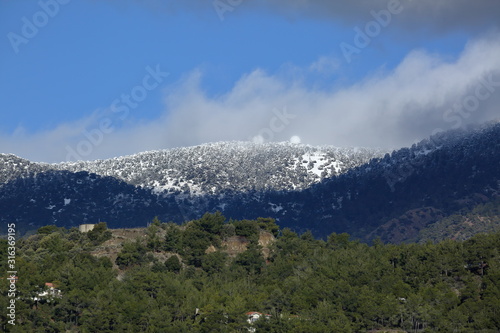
[239, 70]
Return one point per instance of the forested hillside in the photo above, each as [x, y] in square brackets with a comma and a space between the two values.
[208, 274]
[400, 197]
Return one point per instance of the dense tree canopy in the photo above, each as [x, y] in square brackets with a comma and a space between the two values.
[186, 279]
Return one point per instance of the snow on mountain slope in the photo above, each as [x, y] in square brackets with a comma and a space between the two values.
[362, 189]
[13, 167]
[227, 167]
[220, 167]
[177, 184]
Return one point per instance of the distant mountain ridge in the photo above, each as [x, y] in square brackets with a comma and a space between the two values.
[213, 168]
[364, 192]
[451, 172]
[229, 166]
[168, 183]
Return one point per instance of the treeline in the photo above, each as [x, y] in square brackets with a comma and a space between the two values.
[185, 279]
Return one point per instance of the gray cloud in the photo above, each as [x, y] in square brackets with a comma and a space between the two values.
[433, 15]
[422, 95]
[439, 14]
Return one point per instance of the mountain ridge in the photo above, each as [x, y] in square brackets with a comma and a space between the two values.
[214, 168]
[304, 187]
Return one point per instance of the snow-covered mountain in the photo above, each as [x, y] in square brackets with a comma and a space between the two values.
[177, 184]
[212, 168]
[324, 189]
[13, 167]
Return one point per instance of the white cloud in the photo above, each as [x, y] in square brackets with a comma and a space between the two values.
[391, 109]
[325, 65]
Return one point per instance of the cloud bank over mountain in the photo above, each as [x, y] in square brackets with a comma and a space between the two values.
[424, 94]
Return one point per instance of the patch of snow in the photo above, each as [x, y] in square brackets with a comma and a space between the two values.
[275, 208]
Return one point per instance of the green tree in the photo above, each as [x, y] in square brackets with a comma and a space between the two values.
[48, 229]
[55, 243]
[211, 223]
[154, 243]
[228, 230]
[156, 222]
[173, 264]
[132, 253]
[194, 244]
[268, 224]
[251, 259]
[248, 229]
[173, 238]
[99, 234]
[338, 241]
[214, 262]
